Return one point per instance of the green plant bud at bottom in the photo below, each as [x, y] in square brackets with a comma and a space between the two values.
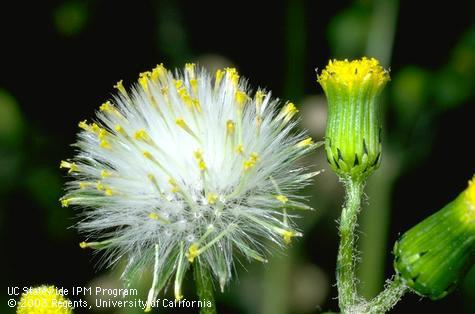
[434, 255]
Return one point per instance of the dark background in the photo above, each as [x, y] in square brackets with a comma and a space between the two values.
[60, 59]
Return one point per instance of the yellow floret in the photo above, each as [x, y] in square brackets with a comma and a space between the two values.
[143, 80]
[282, 198]
[190, 69]
[120, 87]
[353, 72]
[230, 125]
[159, 73]
[119, 129]
[83, 125]
[106, 107]
[65, 202]
[104, 144]
[194, 85]
[259, 97]
[142, 135]
[289, 111]
[153, 216]
[232, 75]
[181, 123]
[198, 154]
[202, 165]
[239, 149]
[212, 198]
[306, 142]
[100, 186]
[251, 161]
[68, 165]
[193, 252]
[43, 300]
[470, 192]
[218, 77]
[241, 98]
[287, 235]
[174, 184]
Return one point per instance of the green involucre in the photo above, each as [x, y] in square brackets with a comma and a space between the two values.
[353, 134]
[434, 255]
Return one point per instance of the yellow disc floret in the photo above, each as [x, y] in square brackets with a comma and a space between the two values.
[282, 198]
[251, 161]
[352, 73]
[193, 252]
[120, 87]
[288, 111]
[241, 98]
[212, 198]
[470, 192]
[43, 300]
[198, 154]
[68, 165]
[306, 142]
[230, 126]
[287, 235]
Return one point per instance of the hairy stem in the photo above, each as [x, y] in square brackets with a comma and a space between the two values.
[204, 288]
[345, 271]
[348, 298]
[386, 300]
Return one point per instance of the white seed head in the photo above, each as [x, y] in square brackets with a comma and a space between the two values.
[184, 167]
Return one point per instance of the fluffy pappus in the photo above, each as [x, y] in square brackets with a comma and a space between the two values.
[188, 166]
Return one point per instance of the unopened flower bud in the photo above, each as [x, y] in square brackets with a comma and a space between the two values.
[353, 134]
[434, 255]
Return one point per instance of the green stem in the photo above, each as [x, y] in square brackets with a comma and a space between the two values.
[345, 272]
[348, 298]
[204, 288]
[385, 301]
[373, 244]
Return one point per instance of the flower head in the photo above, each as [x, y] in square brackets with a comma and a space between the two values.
[43, 300]
[353, 135]
[187, 166]
[353, 74]
[433, 256]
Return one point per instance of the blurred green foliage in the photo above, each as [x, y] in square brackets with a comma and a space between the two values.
[71, 17]
[12, 130]
[11, 123]
[347, 44]
[44, 185]
[410, 92]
